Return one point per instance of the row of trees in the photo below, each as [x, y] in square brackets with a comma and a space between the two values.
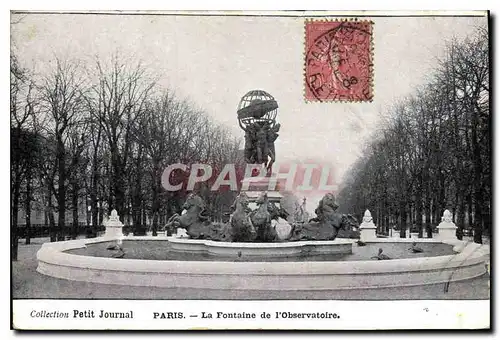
[433, 151]
[100, 137]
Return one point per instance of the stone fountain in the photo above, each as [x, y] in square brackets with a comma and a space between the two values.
[251, 233]
[258, 214]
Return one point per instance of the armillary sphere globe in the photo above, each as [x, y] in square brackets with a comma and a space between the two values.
[257, 106]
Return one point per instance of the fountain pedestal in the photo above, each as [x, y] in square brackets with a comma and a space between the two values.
[447, 229]
[273, 196]
[254, 187]
[114, 228]
[368, 229]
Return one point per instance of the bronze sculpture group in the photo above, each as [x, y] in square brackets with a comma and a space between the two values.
[245, 225]
[259, 143]
[257, 118]
[248, 225]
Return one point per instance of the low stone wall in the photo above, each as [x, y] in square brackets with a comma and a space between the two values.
[468, 263]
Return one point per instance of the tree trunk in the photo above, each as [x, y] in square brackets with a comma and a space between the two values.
[460, 217]
[95, 218]
[137, 218]
[155, 224]
[418, 214]
[156, 180]
[28, 204]
[436, 217]
[50, 212]
[144, 215]
[428, 225]
[136, 207]
[478, 217]
[129, 212]
[487, 220]
[118, 185]
[15, 212]
[61, 194]
[137, 195]
[101, 213]
[16, 172]
[403, 216]
[74, 201]
[111, 200]
[478, 192]
[94, 208]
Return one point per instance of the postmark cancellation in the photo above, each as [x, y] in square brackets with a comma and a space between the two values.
[338, 60]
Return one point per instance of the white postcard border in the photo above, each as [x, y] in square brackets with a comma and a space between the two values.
[282, 314]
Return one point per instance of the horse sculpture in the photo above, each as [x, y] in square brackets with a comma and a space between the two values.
[197, 223]
[326, 225]
[256, 226]
[242, 229]
[261, 220]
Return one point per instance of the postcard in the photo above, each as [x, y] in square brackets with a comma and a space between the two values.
[287, 170]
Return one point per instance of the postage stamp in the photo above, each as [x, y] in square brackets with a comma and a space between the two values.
[222, 170]
[338, 60]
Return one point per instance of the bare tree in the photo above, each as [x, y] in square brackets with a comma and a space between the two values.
[62, 99]
[434, 152]
[77, 142]
[22, 106]
[119, 98]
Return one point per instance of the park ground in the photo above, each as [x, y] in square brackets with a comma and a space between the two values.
[27, 283]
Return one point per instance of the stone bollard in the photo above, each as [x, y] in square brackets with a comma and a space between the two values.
[114, 228]
[447, 229]
[395, 233]
[368, 229]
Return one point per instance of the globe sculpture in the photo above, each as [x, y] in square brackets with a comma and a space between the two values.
[258, 215]
[257, 113]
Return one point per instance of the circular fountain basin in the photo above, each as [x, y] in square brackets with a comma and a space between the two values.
[268, 250]
[467, 262]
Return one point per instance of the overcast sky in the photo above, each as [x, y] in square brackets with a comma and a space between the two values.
[216, 60]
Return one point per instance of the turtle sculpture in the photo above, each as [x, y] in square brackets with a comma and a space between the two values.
[380, 255]
[414, 248]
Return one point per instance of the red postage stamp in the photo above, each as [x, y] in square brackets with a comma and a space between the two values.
[338, 61]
